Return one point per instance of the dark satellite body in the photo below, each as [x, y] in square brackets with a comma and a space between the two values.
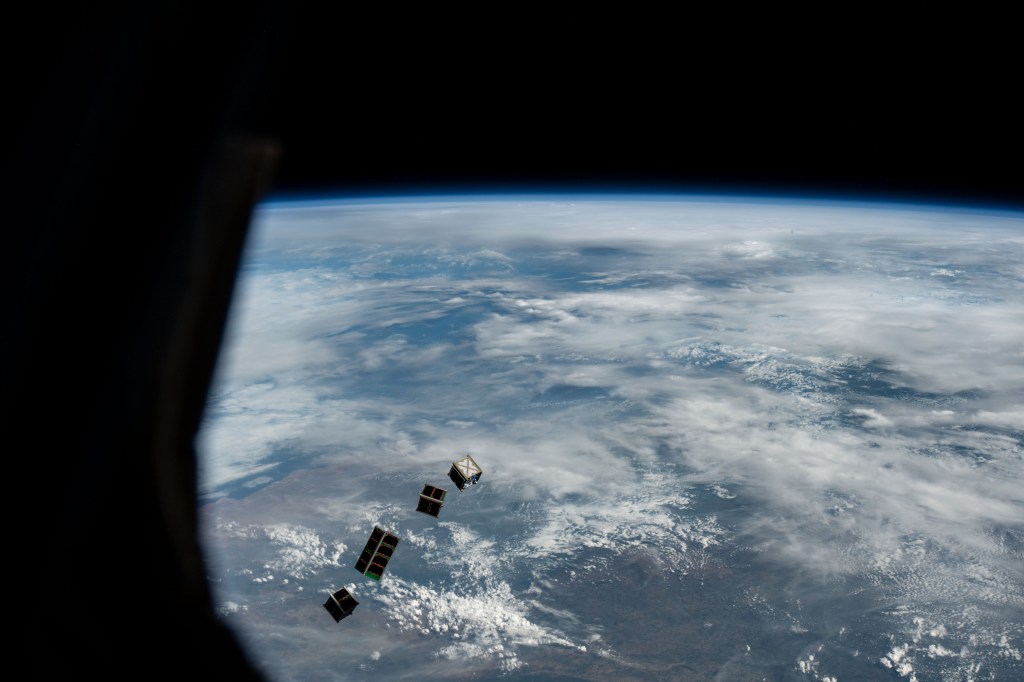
[380, 546]
[465, 472]
[377, 553]
[431, 500]
[341, 604]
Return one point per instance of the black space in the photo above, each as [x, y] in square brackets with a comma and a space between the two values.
[138, 137]
[930, 123]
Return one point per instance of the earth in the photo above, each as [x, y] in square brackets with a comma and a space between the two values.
[721, 438]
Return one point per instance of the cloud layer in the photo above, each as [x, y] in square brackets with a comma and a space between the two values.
[845, 383]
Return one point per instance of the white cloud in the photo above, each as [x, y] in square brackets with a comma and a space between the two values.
[873, 419]
[848, 378]
[747, 249]
[298, 552]
[653, 517]
[486, 623]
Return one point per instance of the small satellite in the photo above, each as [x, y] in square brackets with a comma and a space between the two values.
[465, 472]
[431, 500]
[377, 553]
[340, 604]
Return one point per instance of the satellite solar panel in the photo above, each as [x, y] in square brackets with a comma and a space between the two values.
[376, 569]
[428, 506]
[434, 492]
[340, 604]
[431, 500]
[375, 556]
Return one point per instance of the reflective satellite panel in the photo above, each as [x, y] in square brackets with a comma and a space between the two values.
[340, 604]
[377, 553]
[465, 472]
[431, 500]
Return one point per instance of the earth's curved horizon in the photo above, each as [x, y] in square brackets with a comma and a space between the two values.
[722, 437]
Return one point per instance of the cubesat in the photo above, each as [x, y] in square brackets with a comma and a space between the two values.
[431, 500]
[377, 553]
[341, 604]
[381, 545]
[465, 472]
